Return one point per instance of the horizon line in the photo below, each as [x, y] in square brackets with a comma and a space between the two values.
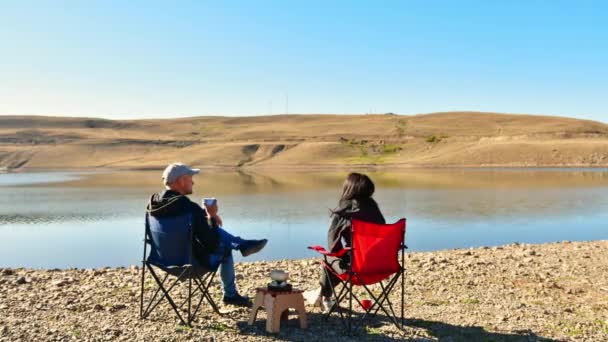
[186, 116]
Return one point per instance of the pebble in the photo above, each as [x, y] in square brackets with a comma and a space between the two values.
[117, 307]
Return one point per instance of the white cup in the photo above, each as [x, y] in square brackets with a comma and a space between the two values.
[279, 275]
[209, 201]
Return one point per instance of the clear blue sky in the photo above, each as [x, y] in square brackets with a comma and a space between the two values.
[135, 59]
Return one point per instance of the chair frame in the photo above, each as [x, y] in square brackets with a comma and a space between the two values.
[347, 286]
[202, 281]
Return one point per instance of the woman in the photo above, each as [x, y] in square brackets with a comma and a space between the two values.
[356, 202]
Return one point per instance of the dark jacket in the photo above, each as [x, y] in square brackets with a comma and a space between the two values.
[205, 237]
[340, 227]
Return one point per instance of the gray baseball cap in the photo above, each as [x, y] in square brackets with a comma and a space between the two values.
[176, 170]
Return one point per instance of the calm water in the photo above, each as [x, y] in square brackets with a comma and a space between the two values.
[66, 219]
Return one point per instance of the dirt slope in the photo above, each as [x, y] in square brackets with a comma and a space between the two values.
[301, 141]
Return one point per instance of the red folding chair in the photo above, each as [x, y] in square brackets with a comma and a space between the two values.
[374, 255]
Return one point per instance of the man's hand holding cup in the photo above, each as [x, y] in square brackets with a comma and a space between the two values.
[212, 209]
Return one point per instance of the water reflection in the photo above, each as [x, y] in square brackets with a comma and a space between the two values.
[260, 181]
[14, 179]
[445, 209]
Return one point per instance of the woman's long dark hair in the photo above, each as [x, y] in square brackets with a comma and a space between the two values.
[357, 186]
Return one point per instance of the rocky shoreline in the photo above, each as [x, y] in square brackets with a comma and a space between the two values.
[518, 292]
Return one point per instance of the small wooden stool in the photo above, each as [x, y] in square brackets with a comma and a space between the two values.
[277, 305]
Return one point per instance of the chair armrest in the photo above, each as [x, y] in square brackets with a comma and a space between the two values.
[323, 251]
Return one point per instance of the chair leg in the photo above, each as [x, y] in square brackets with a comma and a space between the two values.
[388, 289]
[166, 295]
[384, 298]
[185, 314]
[141, 297]
[350, 304]
[403, 282]
[338, 297]
[202, 285]
[208, 295]
[379, 301]
[153, 302]
[402, 292]
[388, 301]
[190, 316]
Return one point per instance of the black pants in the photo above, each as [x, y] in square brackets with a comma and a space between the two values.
[327, 279]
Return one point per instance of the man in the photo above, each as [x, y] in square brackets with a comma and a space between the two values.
[212, 245]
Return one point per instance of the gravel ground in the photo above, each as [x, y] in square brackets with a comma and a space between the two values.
[518, 292]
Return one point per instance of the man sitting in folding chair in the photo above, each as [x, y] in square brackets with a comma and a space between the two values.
[169, 211]
[363, 250]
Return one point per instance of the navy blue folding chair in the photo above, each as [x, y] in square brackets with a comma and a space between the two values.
[170, 250]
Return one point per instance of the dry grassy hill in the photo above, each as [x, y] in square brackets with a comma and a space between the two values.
[304, 141]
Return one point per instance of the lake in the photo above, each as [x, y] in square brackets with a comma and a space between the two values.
[95, 219]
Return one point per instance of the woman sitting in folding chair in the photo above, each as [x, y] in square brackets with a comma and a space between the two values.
[357, 203]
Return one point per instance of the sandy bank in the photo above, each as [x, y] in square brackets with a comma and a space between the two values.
[555, 291]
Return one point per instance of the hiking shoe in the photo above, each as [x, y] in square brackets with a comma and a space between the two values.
[252, 246]
[327, 304]
[313, 297]
[237, 300]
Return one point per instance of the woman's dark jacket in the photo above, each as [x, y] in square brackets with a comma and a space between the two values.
[206, 239]
[340, 227]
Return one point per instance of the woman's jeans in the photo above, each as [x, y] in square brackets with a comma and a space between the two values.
[223, 256]
[327, 279]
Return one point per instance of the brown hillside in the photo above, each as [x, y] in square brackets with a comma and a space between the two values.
[301, 141]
